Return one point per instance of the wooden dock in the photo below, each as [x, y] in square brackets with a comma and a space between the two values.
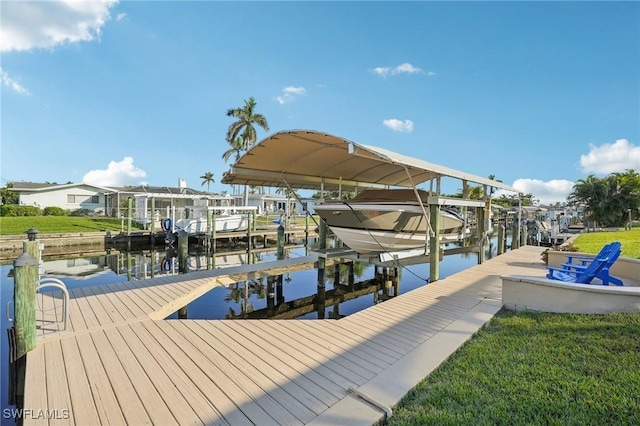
[121, 363]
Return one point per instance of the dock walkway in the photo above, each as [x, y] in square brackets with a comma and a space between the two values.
[263, 372]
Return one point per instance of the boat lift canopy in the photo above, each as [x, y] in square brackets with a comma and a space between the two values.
[306, 159]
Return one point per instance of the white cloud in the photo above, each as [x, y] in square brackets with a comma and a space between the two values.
[120, 16]
[550, 192]
[405, 68]
[30, 25]
[12, 84]
[399, 125]
[118, 173]
[289, 94]
[611, 158]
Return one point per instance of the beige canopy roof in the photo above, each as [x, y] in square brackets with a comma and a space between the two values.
[308, 159]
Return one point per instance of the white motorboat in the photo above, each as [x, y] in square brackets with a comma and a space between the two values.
[225, 219]
[387, 221]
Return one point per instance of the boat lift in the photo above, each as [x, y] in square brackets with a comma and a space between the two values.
[312, 160]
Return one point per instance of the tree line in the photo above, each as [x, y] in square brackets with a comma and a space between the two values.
[611, 201]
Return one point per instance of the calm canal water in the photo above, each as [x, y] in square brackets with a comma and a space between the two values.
[240, 300]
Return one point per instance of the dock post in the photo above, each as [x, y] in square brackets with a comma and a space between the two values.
[322, 244]
[306, 228]
[152, 228]
[396, 281]
[523, 237]
[209, 232]
[129, 212]
[182, 313]
[213, 235]
[321, 300]
[183, 250]
[501, 239]
[129, 265]
[482, 232]
[336, 274]
[280, 242]
[152, 263]
[279, 290]
[24, 308]
[271, 294]
[249, 232]
[434, 244]
[351, 274]
[514, 236]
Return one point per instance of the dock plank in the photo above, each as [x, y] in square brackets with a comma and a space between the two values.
[309, 394]
[58, 394]
[237, 385]
[133, 409]
[291, 405]
[82, 407]
[316, 352]
[191, 393]
[150, 396]
[319, 375]
[36, 378]
[224, 404]
[104, 398]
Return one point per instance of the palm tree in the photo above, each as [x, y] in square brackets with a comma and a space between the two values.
[236, 149]
[208, 179]
[245, 125]
[241, 134]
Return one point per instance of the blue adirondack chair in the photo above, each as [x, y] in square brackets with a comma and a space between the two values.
[610, 251]
[582, 262]
[589, 268]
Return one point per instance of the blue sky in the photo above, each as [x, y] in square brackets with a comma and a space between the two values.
[539, 94]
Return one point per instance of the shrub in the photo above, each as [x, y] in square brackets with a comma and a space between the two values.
[15, 210]
[54, 211]
[82, 212]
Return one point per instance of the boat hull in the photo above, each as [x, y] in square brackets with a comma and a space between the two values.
[234, 222]
[374, 228]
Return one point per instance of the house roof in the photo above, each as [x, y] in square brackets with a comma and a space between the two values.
[165, 191]
[162, 190]
[309, 159]
[43, 187]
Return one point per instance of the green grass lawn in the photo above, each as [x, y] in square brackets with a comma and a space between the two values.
[59, 224]
[594, 241]
[539, 369]
[535, 368]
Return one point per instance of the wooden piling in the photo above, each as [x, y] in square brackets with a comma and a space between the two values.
[249, 224]
[434, 243]
[482, 233]
[501, 235]
[351, 274]
[153, 224]
[322, 244]
[129, 213]
[25, 282]
[183, 251]
[280, 242]
[24, 301]
[182, 313]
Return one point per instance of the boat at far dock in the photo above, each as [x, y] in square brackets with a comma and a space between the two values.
[205, 219]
